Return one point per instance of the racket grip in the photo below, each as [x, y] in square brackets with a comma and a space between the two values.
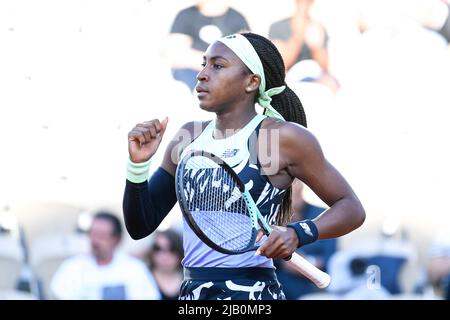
[320, 278]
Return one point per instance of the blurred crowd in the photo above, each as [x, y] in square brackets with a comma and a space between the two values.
[373, 77]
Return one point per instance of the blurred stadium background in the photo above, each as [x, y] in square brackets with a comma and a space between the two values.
[76, 75]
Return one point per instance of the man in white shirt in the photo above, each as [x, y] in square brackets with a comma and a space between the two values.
[104, 274]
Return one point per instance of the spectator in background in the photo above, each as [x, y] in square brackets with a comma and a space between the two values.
[302, 41]
[105, 274]
[318, 253]
[439, 264]
[193, 30]
[164, 260]
[363, 288]
[375, 267]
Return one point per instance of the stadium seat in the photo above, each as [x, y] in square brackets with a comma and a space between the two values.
[48, 252]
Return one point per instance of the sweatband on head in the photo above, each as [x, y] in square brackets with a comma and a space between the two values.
[245, 51]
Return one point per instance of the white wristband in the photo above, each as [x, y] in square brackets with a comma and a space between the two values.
[138, 172]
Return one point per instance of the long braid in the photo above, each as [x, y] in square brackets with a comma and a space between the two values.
[286, 103]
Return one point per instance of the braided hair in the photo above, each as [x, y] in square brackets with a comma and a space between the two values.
[287, 103]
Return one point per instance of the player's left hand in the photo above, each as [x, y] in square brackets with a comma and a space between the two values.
[281, 243]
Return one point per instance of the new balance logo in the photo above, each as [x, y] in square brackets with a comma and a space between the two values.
[229, 153]
[306, 228]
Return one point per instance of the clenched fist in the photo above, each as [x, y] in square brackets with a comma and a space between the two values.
[144, 139]
[281, 242]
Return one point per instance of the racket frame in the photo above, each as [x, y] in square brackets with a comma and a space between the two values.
[187, 212]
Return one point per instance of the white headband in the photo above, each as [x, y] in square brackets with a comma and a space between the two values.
[245, 51]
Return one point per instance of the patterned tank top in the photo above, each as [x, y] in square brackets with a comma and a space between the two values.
[236, 151]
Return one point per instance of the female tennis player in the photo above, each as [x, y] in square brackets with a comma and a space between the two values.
[267, 151]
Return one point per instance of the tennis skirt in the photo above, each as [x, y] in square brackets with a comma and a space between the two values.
[230, 284]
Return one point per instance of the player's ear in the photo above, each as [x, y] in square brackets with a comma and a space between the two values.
[253, 83]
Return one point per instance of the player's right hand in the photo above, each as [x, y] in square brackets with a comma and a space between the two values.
[144, 139]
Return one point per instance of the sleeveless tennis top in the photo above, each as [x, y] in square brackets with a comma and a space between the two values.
[234, 150]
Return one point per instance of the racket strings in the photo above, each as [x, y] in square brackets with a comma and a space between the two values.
[216, 204]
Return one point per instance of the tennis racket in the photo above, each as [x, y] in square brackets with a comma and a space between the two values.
[219, 209]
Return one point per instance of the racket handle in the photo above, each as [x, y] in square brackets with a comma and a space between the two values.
[320, 278]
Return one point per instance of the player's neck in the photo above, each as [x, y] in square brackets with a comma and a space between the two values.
[230, 122]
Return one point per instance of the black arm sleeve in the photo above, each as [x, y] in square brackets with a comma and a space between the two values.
[145, 205]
